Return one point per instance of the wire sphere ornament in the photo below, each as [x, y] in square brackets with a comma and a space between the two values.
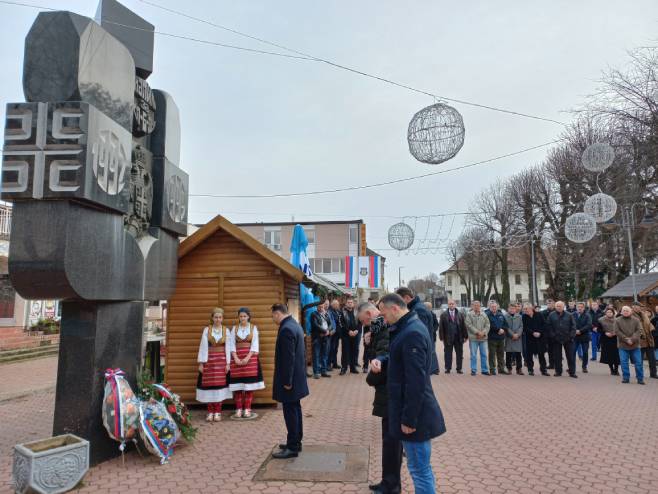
[435, 134]
[400, 236]
[580, 228]
[598, 156]
[601, 206]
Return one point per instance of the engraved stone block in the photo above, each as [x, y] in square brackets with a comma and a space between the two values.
[69, 57]
[65, 151]
[164, 142]
[170, 197]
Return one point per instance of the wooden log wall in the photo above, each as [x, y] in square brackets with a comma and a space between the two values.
[222, 272]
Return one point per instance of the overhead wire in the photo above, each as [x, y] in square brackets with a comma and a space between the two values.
[349, 69]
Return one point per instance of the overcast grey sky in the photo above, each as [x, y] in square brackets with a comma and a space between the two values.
[258, 124]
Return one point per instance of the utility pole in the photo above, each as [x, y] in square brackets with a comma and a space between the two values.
[400, 276]
[535, 294]
[628, 221]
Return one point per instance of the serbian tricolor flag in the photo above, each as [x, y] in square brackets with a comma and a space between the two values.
[362, 272]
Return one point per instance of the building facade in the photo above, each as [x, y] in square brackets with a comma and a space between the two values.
[457, 279]
[329, 243]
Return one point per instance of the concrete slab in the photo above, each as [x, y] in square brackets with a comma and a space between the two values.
[319, 463]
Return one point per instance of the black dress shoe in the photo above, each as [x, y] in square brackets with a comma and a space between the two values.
[544, 373]
[573, 375]
[285, 446]
[324, 374]
[354, 371]
[284, 454]
[343, 372]
[447, 371]
[584, 371]
[459, 371]
[374, 487]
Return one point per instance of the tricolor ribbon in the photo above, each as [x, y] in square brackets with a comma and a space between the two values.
[113, 376]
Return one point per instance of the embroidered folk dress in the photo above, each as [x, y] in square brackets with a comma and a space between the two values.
[214, 352]
[244, 339]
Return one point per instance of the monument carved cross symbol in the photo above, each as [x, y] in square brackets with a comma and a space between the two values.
[91, 164]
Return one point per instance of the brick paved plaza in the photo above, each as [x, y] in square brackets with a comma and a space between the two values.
[512, 434]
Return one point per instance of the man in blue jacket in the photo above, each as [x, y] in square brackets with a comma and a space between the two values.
[496, 338]
[289, 385]
[425, 315]
[414, 414]
[583, 322]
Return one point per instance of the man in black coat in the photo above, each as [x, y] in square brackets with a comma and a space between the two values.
[583, 322]
[414, 415]
[550, 307]
[425, 315]
[350, 338]
[453, 334]
[289, 385]
[562, 328]
[534, 327]
[377, 338]
[337, 322]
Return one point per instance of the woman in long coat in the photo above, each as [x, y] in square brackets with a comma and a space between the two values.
[608, 342]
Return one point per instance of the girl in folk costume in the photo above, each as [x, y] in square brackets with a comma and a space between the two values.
[246, 373]
[214, 363]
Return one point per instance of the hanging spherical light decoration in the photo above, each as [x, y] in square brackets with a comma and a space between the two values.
[400, 236]
[601, 206]
[598, 156]
[580, 227]
[435, 134]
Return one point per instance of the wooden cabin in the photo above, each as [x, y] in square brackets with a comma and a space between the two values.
[646, 287]
[220, 265]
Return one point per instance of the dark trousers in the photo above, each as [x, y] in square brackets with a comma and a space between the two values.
[292, 414]
[350, 354]
[569, 352]
[458, 347]
[650, 354]
[582, 347]
[535, 348]
[511, 357]
[334, 339]
[496, 355]
[391, 460]
[550, 349]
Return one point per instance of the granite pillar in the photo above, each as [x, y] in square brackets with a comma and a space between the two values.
[94, 336]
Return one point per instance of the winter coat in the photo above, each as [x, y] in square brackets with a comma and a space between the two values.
[496, 322]
[444, 328]
[514, 327]
[609, 351]
[338, 320]
[584, 325]
[425, 315]
[320, 324]
[351, 323]
[379, 343]
[646, 338]
[561, 327]
[289, 363]
[628, 327]
[476, 323]
[411, 400]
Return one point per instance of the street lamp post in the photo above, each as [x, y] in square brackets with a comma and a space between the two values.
[400, 276]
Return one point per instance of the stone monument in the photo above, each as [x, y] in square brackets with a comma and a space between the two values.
[91, 165]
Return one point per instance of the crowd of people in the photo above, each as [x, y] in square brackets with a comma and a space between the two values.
[399, 334]
[506, 341]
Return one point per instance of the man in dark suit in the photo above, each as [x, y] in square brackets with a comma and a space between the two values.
[289, 384]
[453, 334]
[351, 338]
[414, 415]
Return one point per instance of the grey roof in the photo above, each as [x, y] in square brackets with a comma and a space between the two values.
[644, 282]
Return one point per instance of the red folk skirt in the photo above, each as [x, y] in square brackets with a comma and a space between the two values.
[212, 383]
[246, 377]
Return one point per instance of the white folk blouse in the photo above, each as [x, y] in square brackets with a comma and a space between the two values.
[217, 334]
[242, 332]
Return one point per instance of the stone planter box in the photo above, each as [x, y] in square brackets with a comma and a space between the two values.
[50, 465]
